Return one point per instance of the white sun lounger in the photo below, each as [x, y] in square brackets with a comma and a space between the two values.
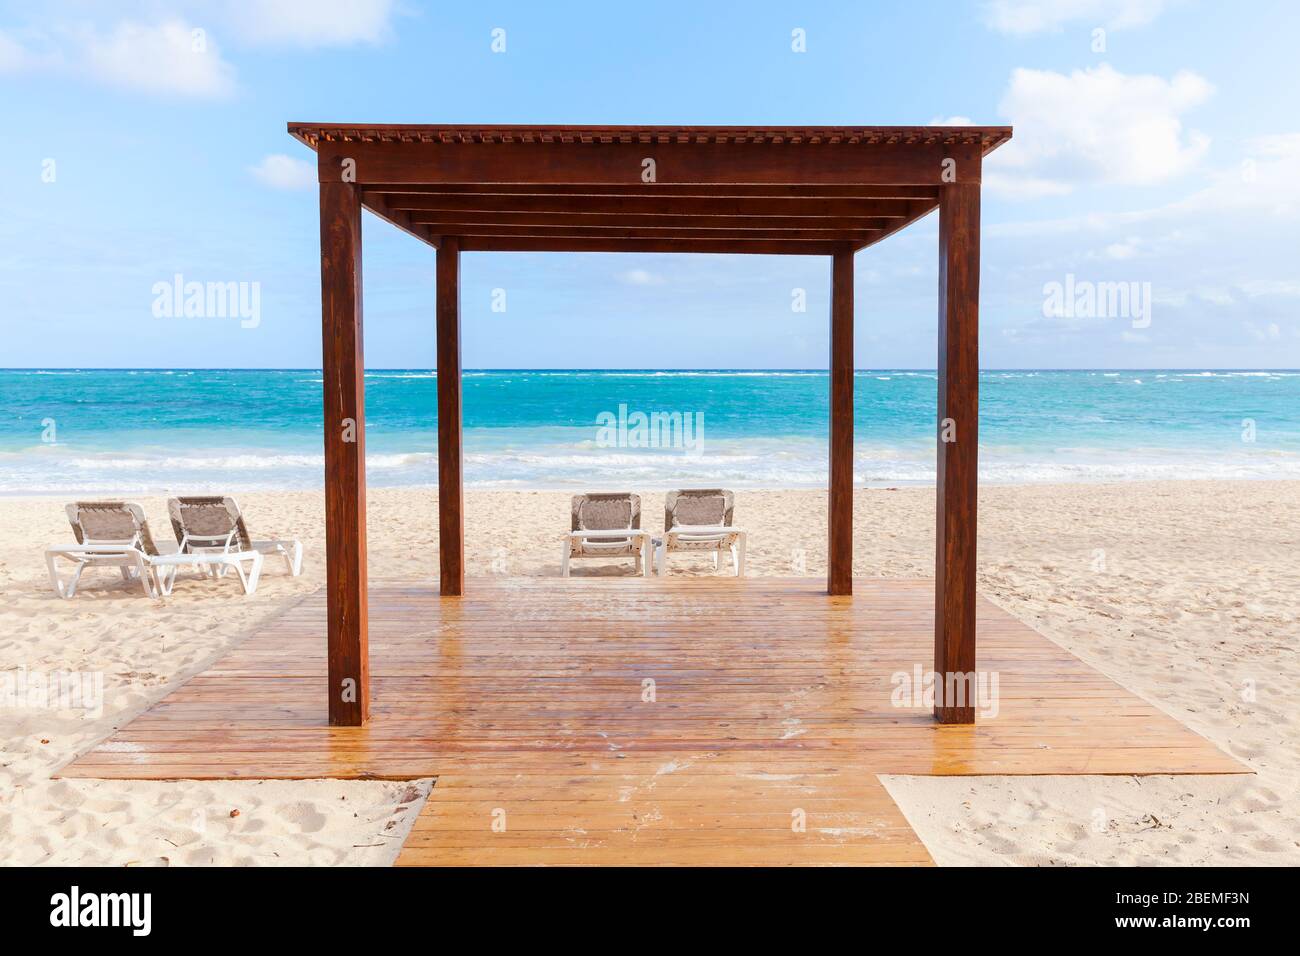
[206, 524]
[607, 526]
[699, 520]
[116, 534]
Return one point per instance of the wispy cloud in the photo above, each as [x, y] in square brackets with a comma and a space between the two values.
[179, 54]
[311, 23]
[640, 277]
[1029, 17]
[169, 58]
[284, 172]
[1095, 126]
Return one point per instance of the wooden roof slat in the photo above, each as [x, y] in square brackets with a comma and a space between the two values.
[854, 236]
[727, 191]
[481, 204]
[697, 246]
[743, 188]
[668, 220]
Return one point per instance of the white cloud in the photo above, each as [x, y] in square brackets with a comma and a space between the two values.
[1027, 17]
[1121, 250]
[284, 172]
[13, 55]
[171, 58]
[311, 23]
[640, 277]
[1095, 126]
[174, 56]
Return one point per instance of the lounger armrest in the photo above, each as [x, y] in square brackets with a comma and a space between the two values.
[202, 557]
[705, 529]
[704, 532]
[607, 533]
[75, 548]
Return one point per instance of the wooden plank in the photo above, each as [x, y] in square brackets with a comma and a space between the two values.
[632, 209]
[709, 808]
[739, 230]
[547, 680]
[762, 247]
[811, 164]
[551, 194]
[451, 502]
[839, 519]
[378, 206]
[958, 444]
[343, 370]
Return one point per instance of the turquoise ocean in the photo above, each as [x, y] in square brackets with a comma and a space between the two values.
[66, 431]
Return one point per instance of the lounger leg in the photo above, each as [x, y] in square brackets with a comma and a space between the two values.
[661, 559]
[63, 589]
[249, 580]
[294, 560]
[717, 561]
[738, 555]
[157, 582]
[647, 558]
[564, 560]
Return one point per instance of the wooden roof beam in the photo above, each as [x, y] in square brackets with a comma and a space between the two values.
[716, 246]
[613, 164]
[648, 205]
[648, 220]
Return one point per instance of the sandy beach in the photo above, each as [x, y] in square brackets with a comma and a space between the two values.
[1186, 593]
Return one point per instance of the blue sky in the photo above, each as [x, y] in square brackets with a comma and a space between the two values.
[1170, 157]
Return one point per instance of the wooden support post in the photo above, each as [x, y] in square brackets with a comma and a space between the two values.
[451, 503]
[345, 454]
[839, 520]
[954, 574]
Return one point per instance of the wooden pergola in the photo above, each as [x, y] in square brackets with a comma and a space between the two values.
[823, 191]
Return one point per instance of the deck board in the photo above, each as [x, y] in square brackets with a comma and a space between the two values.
[526, 696]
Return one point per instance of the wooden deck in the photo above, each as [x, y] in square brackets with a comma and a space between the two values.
[648, 721]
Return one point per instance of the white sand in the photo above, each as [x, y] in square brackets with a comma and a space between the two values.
[1186, 593]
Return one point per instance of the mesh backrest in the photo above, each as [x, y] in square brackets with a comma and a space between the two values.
[110, 521]
[698, 506]
[606, 512]
[207, 516]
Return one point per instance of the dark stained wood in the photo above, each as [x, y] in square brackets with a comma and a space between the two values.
[959, 286]
[762, 247]
[313, 134]
[721, 193]
[451, 502]
[628, 210]
[653, 233]
[715, 189]
[839, 516]
[745, 226]
[343, 370]
[811, 164]
[380, 206]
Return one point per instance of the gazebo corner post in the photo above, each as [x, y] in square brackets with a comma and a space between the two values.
[839, 516]
[451, 502]
[958, 444]
[343, 369]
